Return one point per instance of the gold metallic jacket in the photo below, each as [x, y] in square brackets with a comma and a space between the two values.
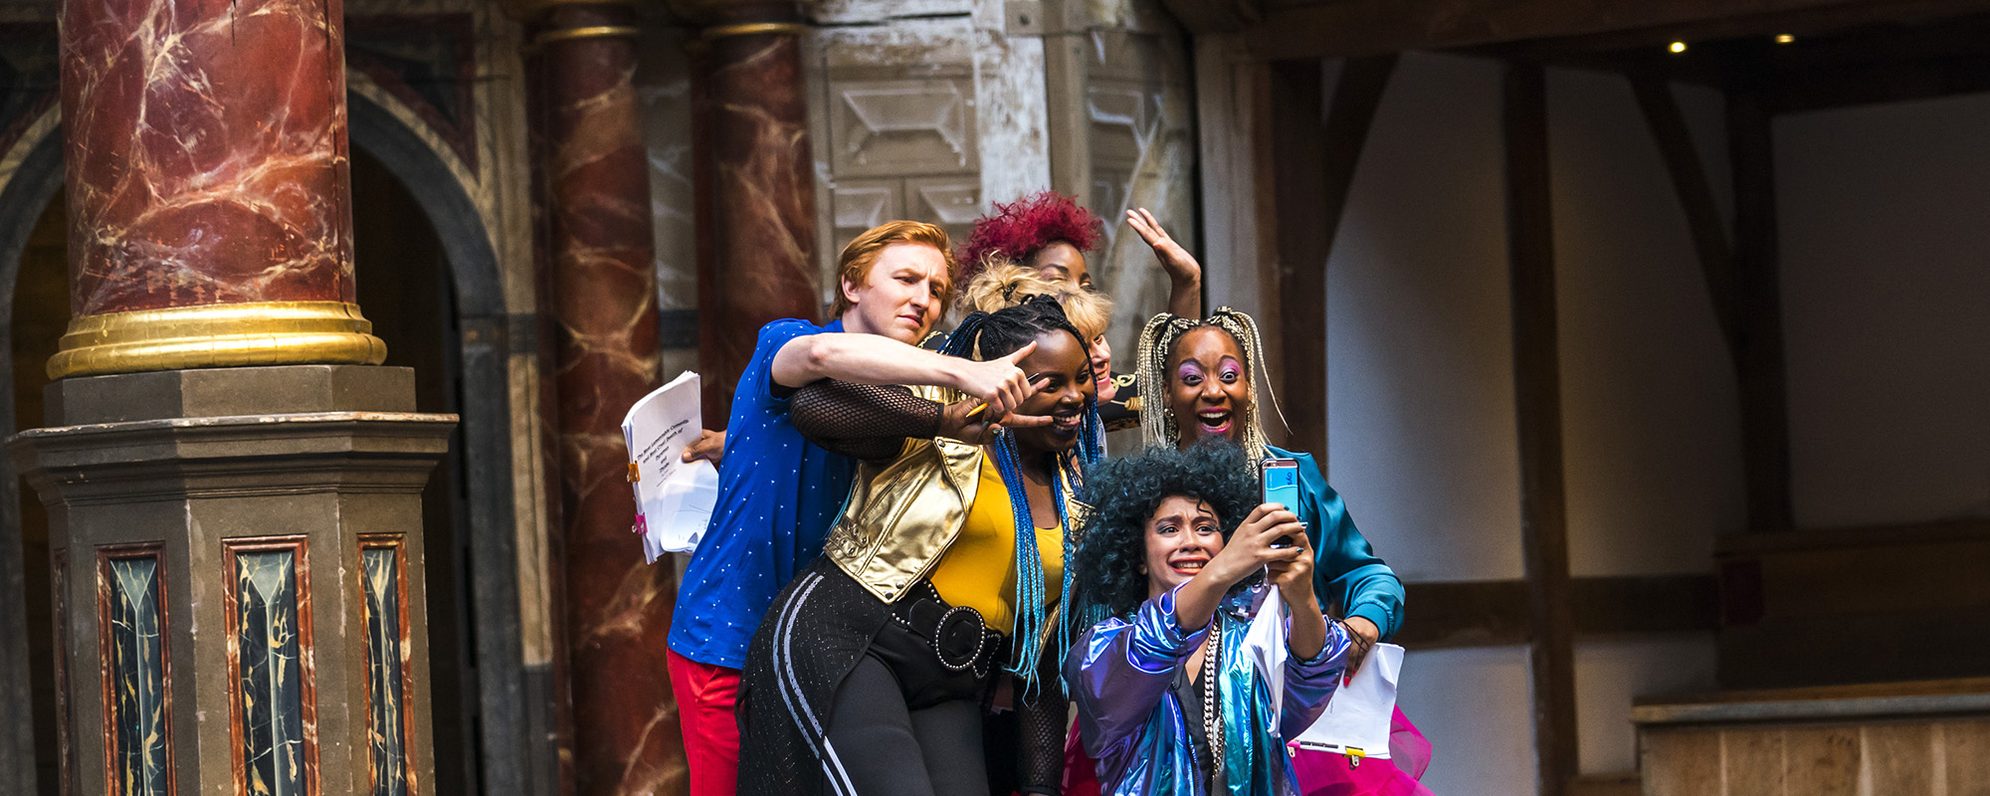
[903, 515]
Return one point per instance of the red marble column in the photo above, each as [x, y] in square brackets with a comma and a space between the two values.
[756, 190]
[209, 196]
[595, 178]
[206, 152]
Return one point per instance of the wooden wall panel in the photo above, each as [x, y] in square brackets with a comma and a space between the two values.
[1899, 757]
[1822, 761]
[1887, 755]
[1966, 747]
[1752, 762]
[1682, 763]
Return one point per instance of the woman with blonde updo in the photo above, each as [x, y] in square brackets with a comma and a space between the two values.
[1000, 283]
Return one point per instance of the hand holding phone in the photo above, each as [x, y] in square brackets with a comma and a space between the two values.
[1280, 484]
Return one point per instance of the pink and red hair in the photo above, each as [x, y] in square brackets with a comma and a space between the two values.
[1018, 230]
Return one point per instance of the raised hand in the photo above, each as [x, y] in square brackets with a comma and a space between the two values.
[998, 382]
[1255, 545]
[1180, 265]
[1294, 578]
[968, 421]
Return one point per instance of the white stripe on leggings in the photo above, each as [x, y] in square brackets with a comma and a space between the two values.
[790, 688]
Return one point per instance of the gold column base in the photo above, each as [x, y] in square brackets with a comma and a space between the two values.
[217, 336]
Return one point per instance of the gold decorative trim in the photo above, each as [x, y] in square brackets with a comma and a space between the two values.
[216, 336]
[590, 32]
[753, 29]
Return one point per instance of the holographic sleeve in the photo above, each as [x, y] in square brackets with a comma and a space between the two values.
[1119, 671]
[1310, 682]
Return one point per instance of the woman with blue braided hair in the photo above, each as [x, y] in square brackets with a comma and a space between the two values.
[942, 578]
[1171, 695]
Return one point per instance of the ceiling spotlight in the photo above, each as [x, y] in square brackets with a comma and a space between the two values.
[1676, 47]
[1785, 38]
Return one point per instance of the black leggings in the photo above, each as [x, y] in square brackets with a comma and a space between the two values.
[902, 724]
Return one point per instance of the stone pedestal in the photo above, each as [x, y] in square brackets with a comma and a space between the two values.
[237, 559]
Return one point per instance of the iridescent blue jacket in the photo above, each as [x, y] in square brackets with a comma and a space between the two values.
[1121, 675]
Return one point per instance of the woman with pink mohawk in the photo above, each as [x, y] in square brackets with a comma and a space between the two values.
[1052, 233]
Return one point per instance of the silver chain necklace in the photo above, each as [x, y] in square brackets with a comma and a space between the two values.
[1212, 722]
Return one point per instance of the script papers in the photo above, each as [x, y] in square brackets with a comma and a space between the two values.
[1357, 720]
[674, 499]
[1264, 643]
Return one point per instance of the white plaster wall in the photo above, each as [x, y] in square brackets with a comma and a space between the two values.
[1421, 437]
[1476, 708]
[1610, 674]
[1650, 417]
[1421, 415]
[1885, 272]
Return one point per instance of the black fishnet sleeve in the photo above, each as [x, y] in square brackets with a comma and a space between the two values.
[866, 421]
[1041, 723]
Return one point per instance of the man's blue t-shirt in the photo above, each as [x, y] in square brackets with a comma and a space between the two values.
[778, 496]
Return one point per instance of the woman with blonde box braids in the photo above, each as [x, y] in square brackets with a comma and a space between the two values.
[1200, 378]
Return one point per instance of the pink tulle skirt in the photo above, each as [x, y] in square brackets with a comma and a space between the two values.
[1328, 774]
[1320, 773]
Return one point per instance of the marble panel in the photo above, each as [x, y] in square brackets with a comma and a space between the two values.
[382, 570]
[428, 62]
[268, 655]
[137, 748]
[663, 90]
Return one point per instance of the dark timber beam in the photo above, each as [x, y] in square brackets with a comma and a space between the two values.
[1215, 16]
[1494, 613]
[1372, 27]
[1315, 151]
[1696, 197]
[1537, 401]
[1758, 296]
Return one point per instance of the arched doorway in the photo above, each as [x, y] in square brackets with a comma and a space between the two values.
[404, 289]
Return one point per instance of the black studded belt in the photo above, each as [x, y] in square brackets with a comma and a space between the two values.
[958, 635]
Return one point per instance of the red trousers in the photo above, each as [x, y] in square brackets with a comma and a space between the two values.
[705, 697]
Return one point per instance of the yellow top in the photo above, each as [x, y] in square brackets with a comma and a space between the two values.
[979, 570]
